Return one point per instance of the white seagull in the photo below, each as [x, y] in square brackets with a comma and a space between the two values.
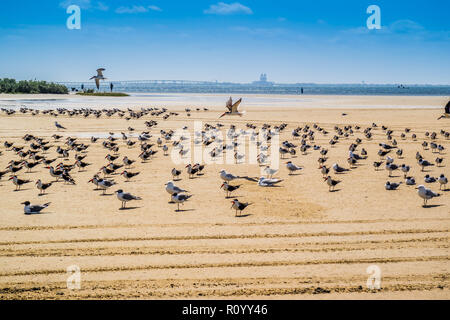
[264, 182]
[227, 176]
[30, 209]
[426, 194]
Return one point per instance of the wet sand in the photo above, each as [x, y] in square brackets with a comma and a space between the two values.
[296, 241]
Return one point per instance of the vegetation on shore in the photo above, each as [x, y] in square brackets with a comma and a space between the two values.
[31, 86]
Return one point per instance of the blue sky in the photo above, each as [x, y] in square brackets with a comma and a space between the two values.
[322, 41]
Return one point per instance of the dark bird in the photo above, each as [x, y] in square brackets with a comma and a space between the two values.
[239, 206]
[229, 188]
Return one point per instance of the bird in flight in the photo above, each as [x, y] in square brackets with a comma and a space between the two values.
[232, 108]
[98, 77]
[446, 111]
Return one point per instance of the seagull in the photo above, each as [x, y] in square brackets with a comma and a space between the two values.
[391, 186]
[292, 167]
[429, 179]
[410, 181]
[125, 197]
[227, 176]
[338, 169]
[424, 163]
[172, 189]
[58, 126]
[229, 188]
[331, 183]
[391, 167]
[175, 173]
[405, 169]
[180, 198]
[232, 108]
[18, 182]
[426, 194]
[239, 206]
[42, 186]
[30, 209]
[129, 175]
[102, 183]
[269, 171]
[442, 181]
[263, 182]
[377, 164]
[98, 77]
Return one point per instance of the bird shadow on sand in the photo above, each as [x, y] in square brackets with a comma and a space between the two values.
[184, 210]
[294, 174]
[394, 176]
[128, 208]
[22, 190]
[107, 194]
[233, 197]
[429, 206]
[335, 190]
[243, 215]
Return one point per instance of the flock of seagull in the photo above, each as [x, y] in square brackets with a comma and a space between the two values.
[34, 151]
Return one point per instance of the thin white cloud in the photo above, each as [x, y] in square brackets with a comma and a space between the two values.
[154, 8]
[137, 9]
[85, 4]
[223, 8]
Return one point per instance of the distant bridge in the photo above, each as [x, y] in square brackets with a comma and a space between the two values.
[132, 82]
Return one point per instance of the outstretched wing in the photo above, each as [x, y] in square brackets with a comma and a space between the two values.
[236, 105]
[100, 72]
[97, 83]
[229, 104]
[447, 107]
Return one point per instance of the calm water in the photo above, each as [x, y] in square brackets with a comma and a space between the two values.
[310, 89]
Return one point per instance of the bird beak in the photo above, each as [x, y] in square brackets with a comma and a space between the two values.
[222, 185]
[325, 179]
[10, 178]
[222, 115]
[22, 203]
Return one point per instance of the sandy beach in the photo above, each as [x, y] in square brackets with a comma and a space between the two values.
[295, 241]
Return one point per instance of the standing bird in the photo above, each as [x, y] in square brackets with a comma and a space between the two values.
[331, 183]
[30, 209]
[239, 206]
[171, 188]
[442, 181]
[292, 167]
[125, 197]
[58, 126]
[426, 194]
[175, 173]
[129, 175]
[18, 182]
[180, 198]
[229, 188]
[42, 186]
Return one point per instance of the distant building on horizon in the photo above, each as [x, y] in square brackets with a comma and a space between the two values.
[263, 81]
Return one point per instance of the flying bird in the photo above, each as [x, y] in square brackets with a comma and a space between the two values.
[98, 77]
[232, 108]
